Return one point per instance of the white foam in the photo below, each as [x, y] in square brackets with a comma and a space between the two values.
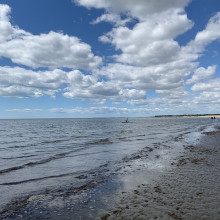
[210, 128]
[193, 137]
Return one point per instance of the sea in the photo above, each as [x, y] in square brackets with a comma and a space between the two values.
[66, 157]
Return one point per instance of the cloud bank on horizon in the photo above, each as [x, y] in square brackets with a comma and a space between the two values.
[149, 73]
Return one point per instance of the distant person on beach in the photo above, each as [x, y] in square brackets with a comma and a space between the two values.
[126, 120]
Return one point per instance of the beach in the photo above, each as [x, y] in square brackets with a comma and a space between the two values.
[146, 169]
[190, 190]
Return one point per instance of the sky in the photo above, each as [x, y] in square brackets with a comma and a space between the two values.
[107, 58]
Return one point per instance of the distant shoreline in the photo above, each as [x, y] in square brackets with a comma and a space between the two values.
[196, 115]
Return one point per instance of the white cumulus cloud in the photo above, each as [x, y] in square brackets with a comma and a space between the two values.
[202, 73]
[7, 31]
[112, 18]
[52, 50]
[211, 85]
[139, 8]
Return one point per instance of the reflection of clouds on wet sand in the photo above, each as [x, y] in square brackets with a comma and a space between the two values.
[188, 191]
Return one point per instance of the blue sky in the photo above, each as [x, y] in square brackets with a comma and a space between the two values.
[106, 58]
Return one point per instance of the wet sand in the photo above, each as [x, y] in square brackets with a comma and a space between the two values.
[190, 190]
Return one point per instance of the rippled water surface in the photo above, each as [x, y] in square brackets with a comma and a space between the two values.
[42, 154]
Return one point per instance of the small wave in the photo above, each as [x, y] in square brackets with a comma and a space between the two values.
[122, 138]
[9, 142]
[37, 179]
[101, 141]
[140, 135]
[126, 131]
[156, 133]
[137, 136]
[18, 157]
[46, 160]
[57, 156]
[21, 146]
[131, 136]
[53, 141]
[78, 137]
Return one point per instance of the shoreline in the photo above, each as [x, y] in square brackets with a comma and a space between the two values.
[190, 190]
[155, 194]
[189, 116]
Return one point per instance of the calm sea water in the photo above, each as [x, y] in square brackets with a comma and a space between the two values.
[58, 154]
